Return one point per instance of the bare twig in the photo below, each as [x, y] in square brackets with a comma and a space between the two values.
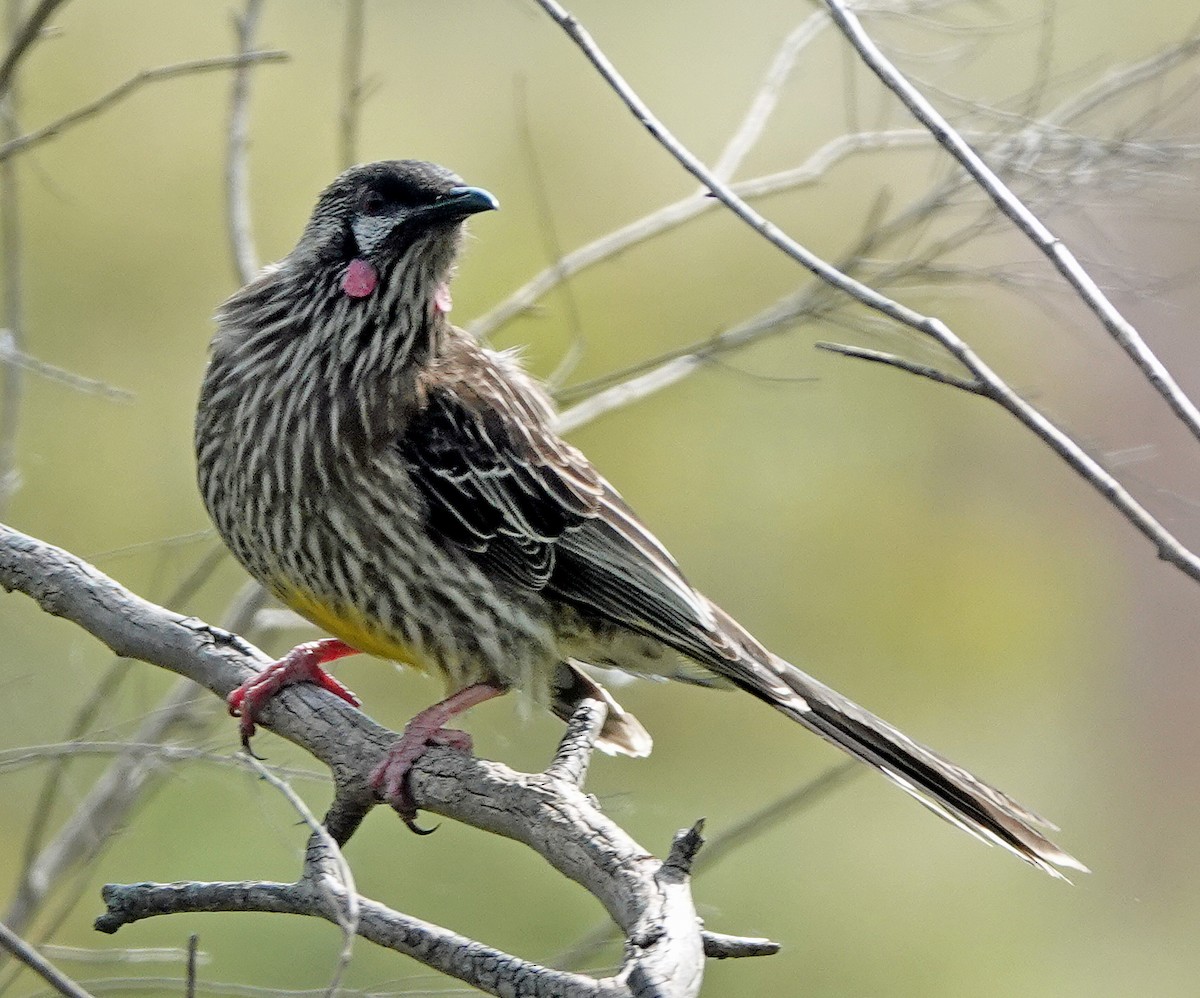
[550, 241]
[811, 792]
[1168, 547]
[1035, 139]
[764, 102]
[237, 170]
[12, 382]
[663, 371]
[892, 360]
[341, 896]
[718, 946]
[491, 970]
[627, 392]
[127, 779]
[1124, 79]
[122, 954]
[804, 796]
[352, 82]
[121, 786]
[47, 795]
[193, 947]
[721, 191]
[680, 212]
[806, 305]
[22, 36]
[9, 354]
[24, 756]
[130, 86]
[40, 965]
[1039, 234]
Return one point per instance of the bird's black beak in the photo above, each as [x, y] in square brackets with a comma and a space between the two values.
[459, 202]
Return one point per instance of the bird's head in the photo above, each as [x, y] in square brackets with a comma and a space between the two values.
[394, 224]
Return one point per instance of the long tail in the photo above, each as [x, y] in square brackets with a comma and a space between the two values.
[946, 789]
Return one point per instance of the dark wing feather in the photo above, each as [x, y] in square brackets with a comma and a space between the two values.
[500, 485]
[503, 487]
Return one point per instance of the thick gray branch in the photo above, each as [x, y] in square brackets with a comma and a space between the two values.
[650, 900]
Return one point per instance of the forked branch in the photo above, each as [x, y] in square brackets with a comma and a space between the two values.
[650, 900]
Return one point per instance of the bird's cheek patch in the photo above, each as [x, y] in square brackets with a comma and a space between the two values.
[441, 298]
[360, 279]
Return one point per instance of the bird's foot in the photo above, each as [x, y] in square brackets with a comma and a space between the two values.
[390, 778]
[301, 665]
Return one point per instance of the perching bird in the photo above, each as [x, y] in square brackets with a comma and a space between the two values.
[402, 487]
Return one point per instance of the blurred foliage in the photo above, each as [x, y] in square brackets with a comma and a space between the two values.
[905, 542]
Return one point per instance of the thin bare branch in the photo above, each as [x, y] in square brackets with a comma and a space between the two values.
[9, 354]
[340, 894]
[102, 103]
[1168, 547]
[661, 372]
[1036, 142]
[912, 367]
[193, 947]
[1123, 79]
[806, 795]
[24, 756]
[121, 954]
[12, 381]
[679, 212]
[550, 241]
[237, 165]
[622, 388]
[1026, 221]
[118, 789]
[719, 946]
[721, 191]
[492, 971]
[22, 37]
[40, 965]
[767, 97]
[352, 82]
[627, 392]
[757, 823]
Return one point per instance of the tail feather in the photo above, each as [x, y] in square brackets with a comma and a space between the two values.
[622, 733]
[945, 788]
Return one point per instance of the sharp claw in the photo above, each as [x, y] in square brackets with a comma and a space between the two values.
[248, 750]
[390, 778]
[404, 806]
[411, 821]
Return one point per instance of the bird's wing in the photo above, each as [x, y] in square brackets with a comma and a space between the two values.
[503, 487]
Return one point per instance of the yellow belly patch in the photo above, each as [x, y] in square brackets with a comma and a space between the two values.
[352, 626]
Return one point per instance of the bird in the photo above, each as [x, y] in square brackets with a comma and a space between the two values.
[401, 486]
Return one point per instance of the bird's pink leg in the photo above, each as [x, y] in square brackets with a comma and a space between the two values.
[426, 729]
[301, 665]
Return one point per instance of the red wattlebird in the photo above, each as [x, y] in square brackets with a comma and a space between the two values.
[402, 487]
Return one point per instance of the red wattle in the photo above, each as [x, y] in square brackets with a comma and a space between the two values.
[360, 279]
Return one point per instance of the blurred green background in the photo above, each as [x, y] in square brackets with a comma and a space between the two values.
[909, 544]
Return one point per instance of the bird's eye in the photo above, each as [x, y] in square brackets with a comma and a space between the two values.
[372, 203]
